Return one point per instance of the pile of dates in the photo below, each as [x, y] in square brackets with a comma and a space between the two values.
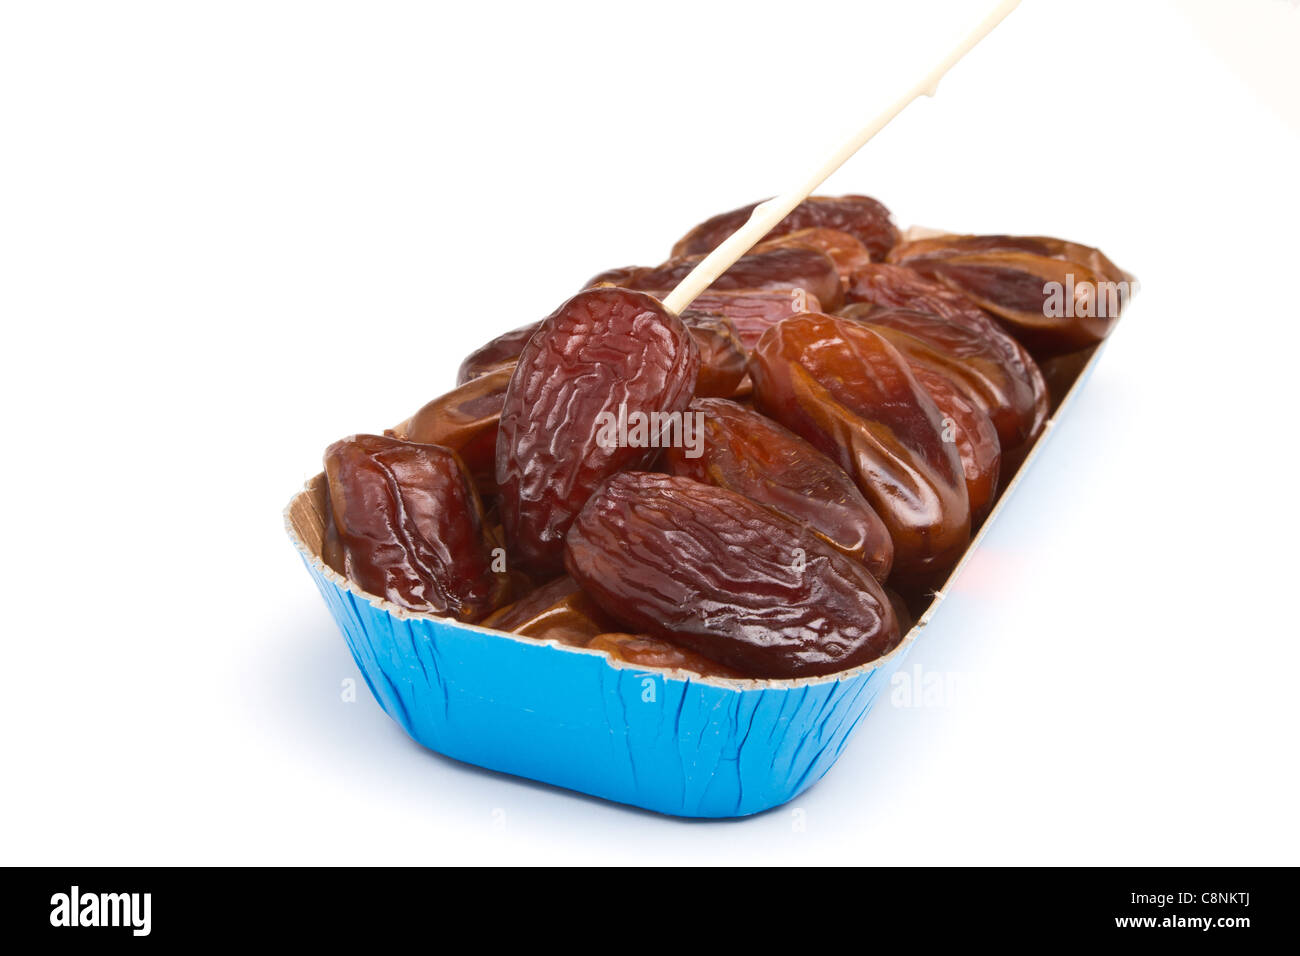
[768, 485]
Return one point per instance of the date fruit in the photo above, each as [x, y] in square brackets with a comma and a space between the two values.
[605, 355]
[860, 216]
[850, 393]
[752, 455]
[847, 252]
[797, 267]
[557, 611]
[502, 352]
[722, 357]
[1054, 296]
[712, 572]
[410, 525]
[755, 311]
[647, 651]
[969, 427]
[466, 421]
[892, 287]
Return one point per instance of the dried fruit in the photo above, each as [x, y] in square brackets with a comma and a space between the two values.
[711, 571]
[557, 611]
[755, 311]
[722, 357]
[967, 360]
[897, 287]
[860, 216]
[797, 267]
[846, 251]
[752, 455]
[647, 651]
[968, 427]
[1054, 296]
[607, 357]
[501, 352]
[411, 526]
[465, 420]
[847, 391]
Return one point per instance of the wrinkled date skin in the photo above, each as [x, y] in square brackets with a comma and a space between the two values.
[411, 526]
[722, 357]
[646, 651]
[502, 352]
[968, 360]
[1010, 275]
[860, 216]
[755, 311]
[466, 420]
[605, 354]
[847, 252]
[711, 571]
[848, 392]
[752, 455]
[557, 611]
[897, 287]
[795, 267]
[973, 433]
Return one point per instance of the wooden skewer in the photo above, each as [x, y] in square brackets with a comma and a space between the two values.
[766, 215]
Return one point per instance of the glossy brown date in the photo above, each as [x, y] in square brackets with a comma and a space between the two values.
[466, 421]
[968, 360]
[605, 355]
[797, 267]
[752, 455]
[722, 356]
[846, 251]
[646, 651]
[968, 427]
[755, 311]
[502, 352]
[556, 611]
[1054, 296]
[851, 394]
[860, 216]
[711, 571]
[893, 287]
[410, 526]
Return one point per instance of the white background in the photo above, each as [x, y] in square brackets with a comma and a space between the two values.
[233, 232]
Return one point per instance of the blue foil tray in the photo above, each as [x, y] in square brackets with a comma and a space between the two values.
[668, 741]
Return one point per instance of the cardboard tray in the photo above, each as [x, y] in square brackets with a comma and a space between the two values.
[668, 741]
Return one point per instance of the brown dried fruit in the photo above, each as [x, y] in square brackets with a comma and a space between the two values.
[557, 611]
[502, 352]
[846, 251]
[647, 651]
[849, 392]
[466, 421]
[711, 571]
[860, 216]
[897, 287]
[1054, 296]
[752, 455]
[755, 311]
[969, 360]
[411, 526]
[722, 357]
[605, 356]
[969, 428]
[797, 267]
